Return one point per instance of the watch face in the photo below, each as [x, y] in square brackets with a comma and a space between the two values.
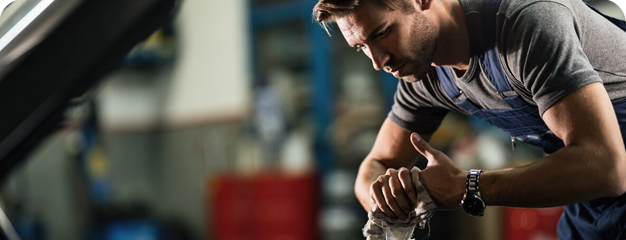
[473, 205]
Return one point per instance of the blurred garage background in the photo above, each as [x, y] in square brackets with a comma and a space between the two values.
[239, 120]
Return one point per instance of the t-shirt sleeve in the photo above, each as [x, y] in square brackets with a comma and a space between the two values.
[413, 109]
[544, 52]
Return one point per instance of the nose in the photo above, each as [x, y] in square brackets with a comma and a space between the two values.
[380, 57]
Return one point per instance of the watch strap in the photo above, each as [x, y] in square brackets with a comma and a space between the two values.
[473, 178]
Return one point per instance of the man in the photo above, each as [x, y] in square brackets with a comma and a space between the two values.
[549, 72]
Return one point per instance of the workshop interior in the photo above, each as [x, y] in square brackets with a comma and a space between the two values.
[206, 119]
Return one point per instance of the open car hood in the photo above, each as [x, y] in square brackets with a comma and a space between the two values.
[52, 51]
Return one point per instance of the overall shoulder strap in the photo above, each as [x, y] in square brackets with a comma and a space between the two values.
[488, 54]
[447, 82]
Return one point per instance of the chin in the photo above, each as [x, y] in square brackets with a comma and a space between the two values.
[416, 77]
[410, 79]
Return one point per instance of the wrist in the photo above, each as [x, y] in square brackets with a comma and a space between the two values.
[462, 187]
[362, 193]
[459, 189]
[455, 192]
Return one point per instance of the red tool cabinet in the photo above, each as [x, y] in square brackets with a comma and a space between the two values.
[267, 206]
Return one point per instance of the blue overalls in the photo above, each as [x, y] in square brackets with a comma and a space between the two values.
[605, 216]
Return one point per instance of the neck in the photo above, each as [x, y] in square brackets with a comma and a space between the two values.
[453, 42]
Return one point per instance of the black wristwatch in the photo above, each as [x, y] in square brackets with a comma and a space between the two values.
[472, 202]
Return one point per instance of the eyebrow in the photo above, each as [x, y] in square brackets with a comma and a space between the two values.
[371, 35]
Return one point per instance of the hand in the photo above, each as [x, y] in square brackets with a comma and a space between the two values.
[444, 181]
[395, 193]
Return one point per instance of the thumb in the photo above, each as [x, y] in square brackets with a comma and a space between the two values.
[423, 147]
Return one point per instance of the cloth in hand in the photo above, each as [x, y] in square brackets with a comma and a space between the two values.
[381, 227]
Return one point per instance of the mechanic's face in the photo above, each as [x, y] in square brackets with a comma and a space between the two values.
[398, 41]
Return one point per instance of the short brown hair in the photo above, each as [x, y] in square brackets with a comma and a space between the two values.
[326, 11]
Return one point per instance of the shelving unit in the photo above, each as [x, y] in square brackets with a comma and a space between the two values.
[306, 50]
[311, 46]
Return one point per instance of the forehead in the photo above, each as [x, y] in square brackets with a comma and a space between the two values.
[356, 25]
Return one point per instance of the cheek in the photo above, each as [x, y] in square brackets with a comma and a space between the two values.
[393, 45]
[404, 41]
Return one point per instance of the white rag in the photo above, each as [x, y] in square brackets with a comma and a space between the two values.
[381, 227]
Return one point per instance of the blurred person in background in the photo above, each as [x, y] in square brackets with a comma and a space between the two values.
[551, 73]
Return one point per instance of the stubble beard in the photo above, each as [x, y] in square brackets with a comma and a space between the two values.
[422, 46]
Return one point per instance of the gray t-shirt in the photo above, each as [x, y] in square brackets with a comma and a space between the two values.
[548, 48]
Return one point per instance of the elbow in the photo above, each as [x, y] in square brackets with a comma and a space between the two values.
[618, 189]
[617, 177]
[619, 186]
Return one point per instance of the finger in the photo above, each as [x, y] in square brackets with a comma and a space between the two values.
[407, 184]
[392, 201]
[415, 176]
[397, 190]
[376, 193]
[423, 147]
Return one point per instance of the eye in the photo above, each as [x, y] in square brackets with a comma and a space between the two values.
[382, 34]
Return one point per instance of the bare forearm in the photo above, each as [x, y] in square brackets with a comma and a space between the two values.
[573, 174]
